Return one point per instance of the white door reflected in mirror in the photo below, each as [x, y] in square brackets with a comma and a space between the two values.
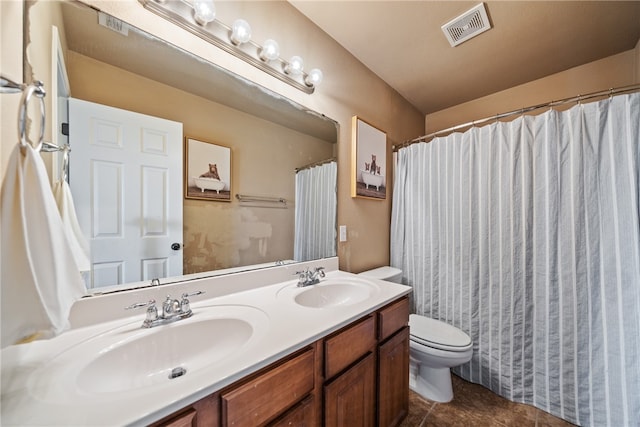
[125, 174]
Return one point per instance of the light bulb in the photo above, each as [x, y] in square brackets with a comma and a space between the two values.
[314, 78]
[240, 32]
[295, 66]
[270, 50]
[204, 11]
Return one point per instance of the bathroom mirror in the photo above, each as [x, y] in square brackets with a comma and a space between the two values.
[269, 135]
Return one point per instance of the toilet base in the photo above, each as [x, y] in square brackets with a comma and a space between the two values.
[431, 383]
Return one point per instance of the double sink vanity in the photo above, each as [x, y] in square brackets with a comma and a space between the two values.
[257, 350]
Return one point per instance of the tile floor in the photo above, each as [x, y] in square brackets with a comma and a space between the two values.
[475, 406]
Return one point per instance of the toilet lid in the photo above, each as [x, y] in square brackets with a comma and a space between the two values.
[382, 273]
[437, 334]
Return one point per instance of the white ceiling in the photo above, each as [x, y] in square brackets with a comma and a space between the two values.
[401, 41]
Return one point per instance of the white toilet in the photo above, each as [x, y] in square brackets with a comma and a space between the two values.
[434, 348]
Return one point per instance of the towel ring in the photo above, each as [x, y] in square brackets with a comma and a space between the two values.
[36, 88]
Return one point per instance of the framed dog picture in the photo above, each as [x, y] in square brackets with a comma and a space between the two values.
[368, 161]
[207, 170]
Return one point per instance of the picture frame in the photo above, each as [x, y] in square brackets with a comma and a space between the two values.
[368, 161]
[207, 170]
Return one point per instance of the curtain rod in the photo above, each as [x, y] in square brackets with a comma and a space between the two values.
[318, 163]
[578, 99]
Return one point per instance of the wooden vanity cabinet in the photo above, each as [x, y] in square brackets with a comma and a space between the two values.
[264, 397]
[283, 389]
[393, 363]
[393, 379]
[301, 415]
[356, 376]
[392, 318]
[349, 400]
[350, 375]
[204, 412]
[349, 344]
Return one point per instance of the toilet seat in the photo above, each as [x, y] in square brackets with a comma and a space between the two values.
[437, 334]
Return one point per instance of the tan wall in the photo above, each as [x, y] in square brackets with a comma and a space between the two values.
[264, 157]
[349, 89]
[38, 64]
[614, 71]
[11, 61]
[11, 67]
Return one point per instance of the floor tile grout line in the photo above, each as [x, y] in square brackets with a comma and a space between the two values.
[424, 420]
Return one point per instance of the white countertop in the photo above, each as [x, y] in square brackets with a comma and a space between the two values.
[35, 391]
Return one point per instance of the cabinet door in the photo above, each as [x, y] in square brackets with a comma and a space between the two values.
[350, 398]
[393, 385]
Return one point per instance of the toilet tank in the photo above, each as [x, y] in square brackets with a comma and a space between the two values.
[390, 274]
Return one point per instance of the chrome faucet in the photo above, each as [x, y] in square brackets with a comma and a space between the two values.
[172, 310]
[308, 277]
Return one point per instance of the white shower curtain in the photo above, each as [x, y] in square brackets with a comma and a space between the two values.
[525, 235]
[315, 229]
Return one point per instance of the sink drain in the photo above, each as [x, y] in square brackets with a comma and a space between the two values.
[177, 372]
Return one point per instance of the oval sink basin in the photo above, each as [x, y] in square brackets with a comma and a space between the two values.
[150, 359]
[331, 293]
[130, 358]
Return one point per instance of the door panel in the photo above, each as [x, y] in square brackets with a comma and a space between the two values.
[126, 178]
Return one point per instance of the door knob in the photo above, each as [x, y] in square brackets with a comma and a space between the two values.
[175, 246]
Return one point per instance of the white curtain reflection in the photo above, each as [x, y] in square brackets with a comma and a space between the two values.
[315, 229]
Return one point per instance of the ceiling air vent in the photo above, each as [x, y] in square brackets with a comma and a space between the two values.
[467, 25]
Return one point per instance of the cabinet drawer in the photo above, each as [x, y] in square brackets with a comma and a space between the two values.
[393, 317]
[348, 345]
[302, 415]
[203, 413]
[265, 397]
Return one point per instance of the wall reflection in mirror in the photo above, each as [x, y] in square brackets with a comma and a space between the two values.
[121, 68]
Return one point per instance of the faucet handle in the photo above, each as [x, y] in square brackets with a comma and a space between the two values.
[133, 306]
[320, 271]
[152, 311]
[193, 294]
[184, 304]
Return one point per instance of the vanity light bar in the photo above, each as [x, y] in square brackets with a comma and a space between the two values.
[217, 33]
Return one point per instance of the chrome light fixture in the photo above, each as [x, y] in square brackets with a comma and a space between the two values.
[199, 18]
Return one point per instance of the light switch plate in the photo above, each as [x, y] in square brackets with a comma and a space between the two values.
[343, 233]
